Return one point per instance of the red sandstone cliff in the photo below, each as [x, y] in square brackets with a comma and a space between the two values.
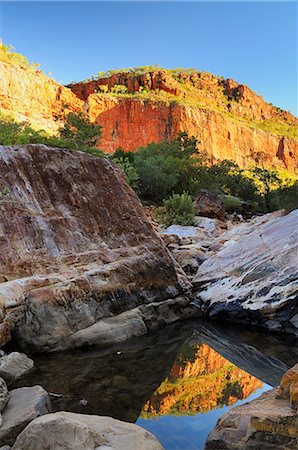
[228, 119]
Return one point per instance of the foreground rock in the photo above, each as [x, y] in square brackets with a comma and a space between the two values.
[14, 365]
[253, 276]
[66, 431]
[77, 250]
[25, 404]
[268, 422]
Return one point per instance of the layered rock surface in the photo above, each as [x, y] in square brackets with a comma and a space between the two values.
[253, 276]
[77, 252]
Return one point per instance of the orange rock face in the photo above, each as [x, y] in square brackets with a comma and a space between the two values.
[224, 116]
[29, 95]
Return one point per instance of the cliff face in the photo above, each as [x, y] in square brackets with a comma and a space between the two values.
[79, 261]
[29, 95]
[228, 119]
[225, 117]
[131, 123]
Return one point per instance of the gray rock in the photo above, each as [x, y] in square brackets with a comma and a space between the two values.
[253, 276]
[67, 431]
[4, 395]
[25, 404]
[14, 365]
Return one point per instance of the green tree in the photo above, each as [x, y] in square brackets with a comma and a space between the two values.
[129, 170]
[80, 132]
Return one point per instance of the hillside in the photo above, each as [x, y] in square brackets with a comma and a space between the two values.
[136, 107]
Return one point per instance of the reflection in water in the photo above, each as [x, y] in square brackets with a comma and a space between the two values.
[199, 381]
[175, 383]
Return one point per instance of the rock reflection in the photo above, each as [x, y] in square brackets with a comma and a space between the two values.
[199, 381]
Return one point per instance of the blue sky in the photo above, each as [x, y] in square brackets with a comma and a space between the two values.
[253, 42]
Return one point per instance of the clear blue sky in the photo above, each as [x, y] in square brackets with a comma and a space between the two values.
[253, 42]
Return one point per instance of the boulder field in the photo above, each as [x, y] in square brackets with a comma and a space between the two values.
[79, 262]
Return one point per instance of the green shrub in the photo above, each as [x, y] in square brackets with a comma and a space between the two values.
[9, 56]
[14, 133]
[178, 209]
[129, 170]
[231, 203]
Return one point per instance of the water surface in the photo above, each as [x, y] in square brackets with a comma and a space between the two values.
[175, 383]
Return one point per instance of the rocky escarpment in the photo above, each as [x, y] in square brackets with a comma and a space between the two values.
[79, 262]
[225, 117]
[269, 422]
[252, 278]
[228, 119]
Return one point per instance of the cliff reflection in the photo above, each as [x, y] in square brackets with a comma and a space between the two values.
[199, 381]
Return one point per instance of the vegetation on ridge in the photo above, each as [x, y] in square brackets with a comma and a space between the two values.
[8, 55]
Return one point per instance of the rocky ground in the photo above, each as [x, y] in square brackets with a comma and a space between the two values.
[245, 272]
[80, 264]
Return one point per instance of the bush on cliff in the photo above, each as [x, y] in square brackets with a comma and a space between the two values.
[178, 209]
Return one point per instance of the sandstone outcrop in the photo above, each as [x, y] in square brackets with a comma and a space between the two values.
[225, 117]
[252, 278]
[31, 96]
[77, 253]
[67, 431]
[269, 422]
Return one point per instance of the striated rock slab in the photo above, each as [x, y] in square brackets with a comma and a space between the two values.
[67, 431]
[253, 278]
[76, 249]
[14, 365]
[25, 404]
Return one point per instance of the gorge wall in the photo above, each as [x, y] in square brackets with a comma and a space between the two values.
[228, 119]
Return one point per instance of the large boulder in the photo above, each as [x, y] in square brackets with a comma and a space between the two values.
[77, 249]
[253, 276]
[209, 204]
[267, 423]
[24, 405]
[14, 365]
[67, 431]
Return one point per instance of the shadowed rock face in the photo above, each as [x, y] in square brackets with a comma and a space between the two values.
[77, 252]
[253, 277]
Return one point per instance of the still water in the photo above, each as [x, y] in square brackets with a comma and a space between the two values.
[175, 383]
